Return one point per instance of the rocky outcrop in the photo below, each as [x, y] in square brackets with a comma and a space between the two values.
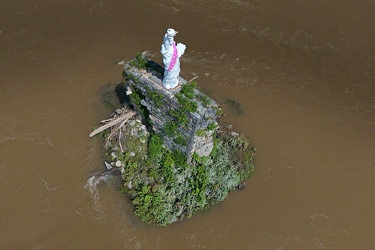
[185, 120]
[165, 154]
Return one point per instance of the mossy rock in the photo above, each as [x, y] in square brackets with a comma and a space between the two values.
[164, 188]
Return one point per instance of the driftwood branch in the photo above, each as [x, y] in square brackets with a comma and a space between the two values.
[119, 119]
[192, 79]
[107, 120]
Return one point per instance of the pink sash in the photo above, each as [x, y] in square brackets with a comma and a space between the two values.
[174, 57]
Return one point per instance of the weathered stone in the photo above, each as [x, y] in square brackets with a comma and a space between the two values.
[128, 91]
[204, 145]
[205, 150]
[113, 154]
[132, 123]
[107, 165]
[234, 133]
[149, 85]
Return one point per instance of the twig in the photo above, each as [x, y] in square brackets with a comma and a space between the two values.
[192, 79]
[122, 124]
[119, 141]
[113, 132]
[108, 120]
[112, 123]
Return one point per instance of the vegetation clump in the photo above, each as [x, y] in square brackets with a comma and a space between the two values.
[200, 132]
[205, 100]
[139, 62]
[170, 128]
[211, 126]
[188, 89]
[180, 140]
[179, 116]
[186, 104]
[219, 111]
[156, 97]
[165, 188]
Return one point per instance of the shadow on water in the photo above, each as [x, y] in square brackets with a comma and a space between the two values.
[121, 94]
[234, 106]
[108, 96]
[113, 95]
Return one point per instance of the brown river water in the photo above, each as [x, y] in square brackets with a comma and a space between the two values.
[297, 77]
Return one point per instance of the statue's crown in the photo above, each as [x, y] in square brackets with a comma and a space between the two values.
[171, 32]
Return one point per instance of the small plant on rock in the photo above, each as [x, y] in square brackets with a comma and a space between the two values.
[170, 128]
[188, 89]
[139, 61]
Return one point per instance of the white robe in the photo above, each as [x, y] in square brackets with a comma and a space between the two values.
[170, 79]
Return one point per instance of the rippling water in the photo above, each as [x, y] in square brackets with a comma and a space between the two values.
[296, 77]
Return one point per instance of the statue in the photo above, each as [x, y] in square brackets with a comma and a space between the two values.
[171, 59]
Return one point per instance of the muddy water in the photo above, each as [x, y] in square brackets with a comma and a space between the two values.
[296, 77]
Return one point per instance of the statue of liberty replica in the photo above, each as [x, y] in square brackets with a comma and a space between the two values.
[171, 59]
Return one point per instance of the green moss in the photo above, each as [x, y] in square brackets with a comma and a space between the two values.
[185, 96]
[155, 147]
[179, 116]
[199, 184]
[205, 100]
[124, 75]
[186, 104]
[180, 140]
[179, 157]
[167, 169]
[139, 61]
[136, 97]
[156, 97]
[211, 126]
[188, 89]
[219, 111]
[170, 128]
[239, 142]
[133, 78]
[200, 132]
